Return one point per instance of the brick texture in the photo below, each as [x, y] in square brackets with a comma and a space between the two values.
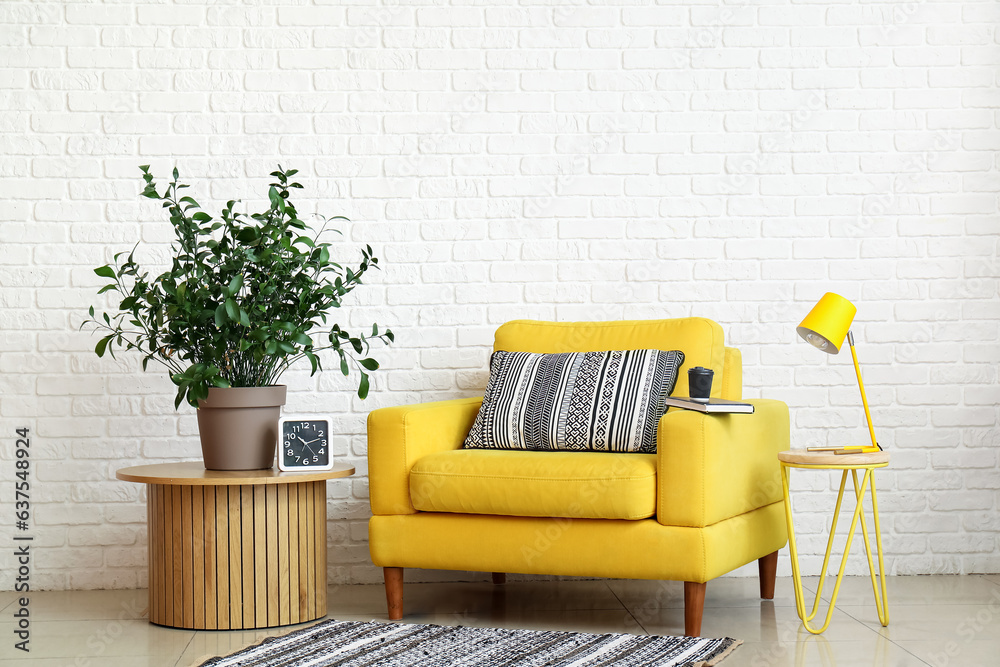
[730, 160]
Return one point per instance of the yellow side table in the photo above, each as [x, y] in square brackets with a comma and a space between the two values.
[800, 458]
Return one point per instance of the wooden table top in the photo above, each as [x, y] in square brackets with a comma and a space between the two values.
[193, 473]
[802, 457]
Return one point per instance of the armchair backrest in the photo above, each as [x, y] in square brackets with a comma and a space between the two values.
[700, 339]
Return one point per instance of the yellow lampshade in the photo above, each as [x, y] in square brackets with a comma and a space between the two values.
[828, 322]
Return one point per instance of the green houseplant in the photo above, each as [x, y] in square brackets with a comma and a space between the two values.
[245, 297]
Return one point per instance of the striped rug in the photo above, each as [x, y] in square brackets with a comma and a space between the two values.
[369, 643]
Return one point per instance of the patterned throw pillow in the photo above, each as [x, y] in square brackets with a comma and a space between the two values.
[588, 401]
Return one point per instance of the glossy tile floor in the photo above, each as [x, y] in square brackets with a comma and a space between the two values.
[935, 620]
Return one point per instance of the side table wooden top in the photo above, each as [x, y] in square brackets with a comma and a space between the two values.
[802, 457]
[193, 473]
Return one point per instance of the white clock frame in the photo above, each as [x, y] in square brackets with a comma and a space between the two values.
[281, 440]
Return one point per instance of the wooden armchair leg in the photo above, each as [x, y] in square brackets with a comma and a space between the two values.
[694, 605]
[394, 591]
[499, 578]
[768, 568]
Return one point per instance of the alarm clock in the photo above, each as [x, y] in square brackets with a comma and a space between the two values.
[304, 444]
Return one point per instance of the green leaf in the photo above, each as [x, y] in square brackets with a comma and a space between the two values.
[232, 310]
[369, 364]
[102, 345]
[220, 315]
[235, 284]
[105, 272]
[247, 235]
[363, 387]
[302, 339]
[197, 392]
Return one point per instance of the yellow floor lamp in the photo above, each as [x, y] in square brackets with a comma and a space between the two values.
[825, 327]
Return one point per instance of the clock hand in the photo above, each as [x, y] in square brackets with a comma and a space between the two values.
[304, 441]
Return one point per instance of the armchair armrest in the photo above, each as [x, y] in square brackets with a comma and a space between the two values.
[713, 467]
[398, 436]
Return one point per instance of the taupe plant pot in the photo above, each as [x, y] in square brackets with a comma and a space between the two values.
[239, 427]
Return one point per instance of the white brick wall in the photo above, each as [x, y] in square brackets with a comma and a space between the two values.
[732, 160]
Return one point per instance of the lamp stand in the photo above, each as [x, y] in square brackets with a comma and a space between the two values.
[861, 386]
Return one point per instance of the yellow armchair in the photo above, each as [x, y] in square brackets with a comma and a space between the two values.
[712, 489]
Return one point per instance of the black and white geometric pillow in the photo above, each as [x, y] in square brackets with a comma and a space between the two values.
[587, 401]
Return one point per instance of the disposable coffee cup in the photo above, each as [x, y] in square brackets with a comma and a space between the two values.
[700, 383]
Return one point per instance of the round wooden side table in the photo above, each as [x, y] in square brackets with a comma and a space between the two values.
[234, 550]
[800, 458]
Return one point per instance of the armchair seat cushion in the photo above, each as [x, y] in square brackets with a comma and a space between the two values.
[578, 485]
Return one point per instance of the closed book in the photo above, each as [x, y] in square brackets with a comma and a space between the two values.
[714, 405]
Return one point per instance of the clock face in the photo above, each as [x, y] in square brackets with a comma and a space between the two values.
[305, 444]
